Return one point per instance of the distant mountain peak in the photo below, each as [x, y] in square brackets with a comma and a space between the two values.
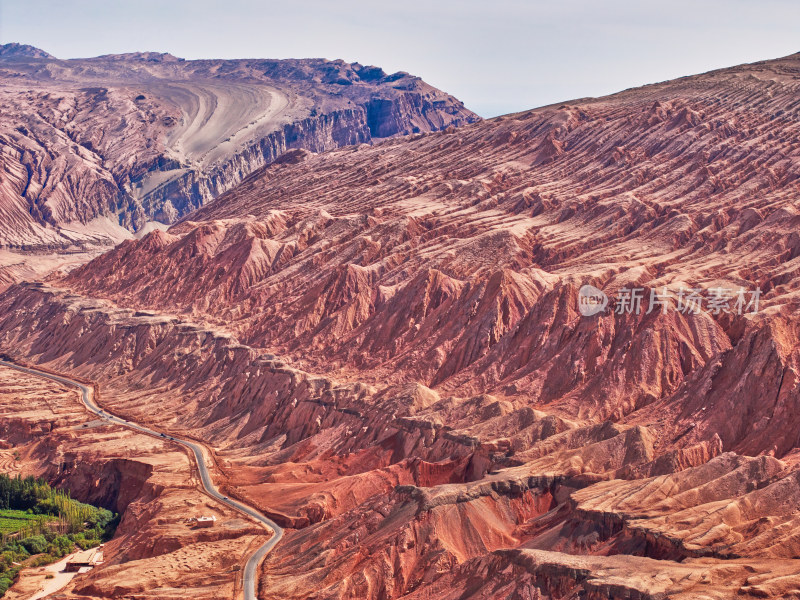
[145, 56]
[14, 50]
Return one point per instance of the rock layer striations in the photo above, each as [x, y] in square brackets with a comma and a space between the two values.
[384, 347]
[91, 149]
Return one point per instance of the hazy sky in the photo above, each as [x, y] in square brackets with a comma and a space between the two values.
[497, 56]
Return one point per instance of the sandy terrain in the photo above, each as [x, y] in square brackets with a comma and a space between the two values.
[33, 584]
[215, 119]
[24, 266]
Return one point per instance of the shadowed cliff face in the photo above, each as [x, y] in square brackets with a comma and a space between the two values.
[385, 346]
[93, 149]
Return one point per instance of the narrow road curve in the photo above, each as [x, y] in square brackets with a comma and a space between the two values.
[250, 569]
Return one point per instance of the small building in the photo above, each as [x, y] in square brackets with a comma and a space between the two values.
[83, 561]
[205, 521]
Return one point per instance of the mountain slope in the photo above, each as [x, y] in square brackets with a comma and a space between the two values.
[385, 347]
[455, 258]
[93, 147]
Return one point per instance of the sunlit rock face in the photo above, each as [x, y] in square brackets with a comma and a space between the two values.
[385, 347]
[94, 149]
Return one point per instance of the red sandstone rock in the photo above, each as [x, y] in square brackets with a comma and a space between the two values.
[92, 150]
[384, 348]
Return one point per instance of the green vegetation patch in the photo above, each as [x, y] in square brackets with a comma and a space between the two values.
[40, 524]
[12, 520]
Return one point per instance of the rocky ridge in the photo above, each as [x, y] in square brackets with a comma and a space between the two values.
[384, 347]
[93, 149]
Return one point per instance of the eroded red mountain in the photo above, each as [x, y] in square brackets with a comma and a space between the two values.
[93, 150]
[384, 346]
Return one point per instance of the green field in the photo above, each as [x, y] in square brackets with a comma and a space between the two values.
[14, 520]
[40, 524]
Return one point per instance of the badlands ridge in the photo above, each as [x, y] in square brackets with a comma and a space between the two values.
[384, 349]
[96, 149]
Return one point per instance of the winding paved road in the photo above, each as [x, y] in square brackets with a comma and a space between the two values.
[250, 569]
